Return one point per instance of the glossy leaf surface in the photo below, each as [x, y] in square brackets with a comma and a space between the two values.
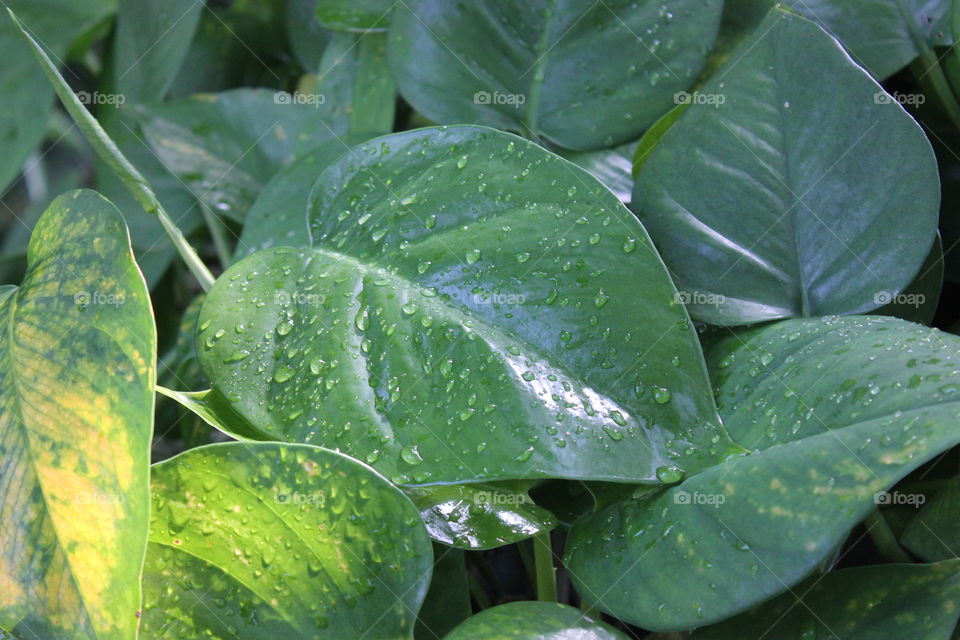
[467, 311]
[880, 603]
[77, 362]
[526, 620]
[521, 65]
[750, 528]
[267, 540]
[798, 208]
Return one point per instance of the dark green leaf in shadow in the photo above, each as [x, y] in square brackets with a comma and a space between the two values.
[934, 534]
[526, 620]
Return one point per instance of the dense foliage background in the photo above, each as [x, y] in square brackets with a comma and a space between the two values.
[473, 320]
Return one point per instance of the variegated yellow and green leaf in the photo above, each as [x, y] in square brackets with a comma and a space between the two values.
[77, 366]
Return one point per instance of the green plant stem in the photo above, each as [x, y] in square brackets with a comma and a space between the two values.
[219, 234]
[884, 539]
[546, 574]
[111, 154]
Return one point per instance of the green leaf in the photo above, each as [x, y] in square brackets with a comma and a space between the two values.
[883, 36]
[654, 135]
[880, 603]
[797, 210]
[526, 620]
[467, 312]
[840, 409]
[77, 363]
[521, 65]
[354, 79]
[308, 38]
[932, 534]
[210, 406]
[919, 301]
[448, 600]
[479, 516]
[278, 215]
[225, 146]
[612, 167]
[26, 100]
[270, 540]
[354, 15]
[152, 39]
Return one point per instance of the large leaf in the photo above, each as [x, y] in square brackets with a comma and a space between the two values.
[267, 540]
[152, 39]
[882, 35]
[880, 603]
[799, 208]
[448, 600]
[933, 533]
[468, 311]
[840, 410]
[26, 99]
[526, 620]
[225, 146]
[583, 75]
[77, 362]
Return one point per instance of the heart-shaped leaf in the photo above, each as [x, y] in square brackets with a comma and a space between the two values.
[76, 398]
[270, 540]
[468, 311]
[880, 603]
[750, 528]
[520, 65]
[541, 620]
[933, 533]
[799, 208]
[479, 516]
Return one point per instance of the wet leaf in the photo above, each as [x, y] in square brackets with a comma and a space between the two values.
[839, 411]
[354, 15]
[479, 516]
[467, 311]
[269, 540]
[583, 75]
[76, 400]
[525, 620]
[798, 207]
[880, 603]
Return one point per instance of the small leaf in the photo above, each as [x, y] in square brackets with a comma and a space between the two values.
[797, 209]
[77, 363]
[354, 15]
[526, 620]
[840, 410]
[584, 76]
[266, 540]
[889, 602]
[479, 516]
